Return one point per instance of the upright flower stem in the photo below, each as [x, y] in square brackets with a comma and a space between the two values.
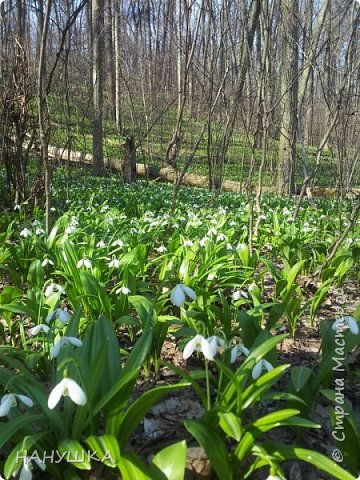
[207, 385]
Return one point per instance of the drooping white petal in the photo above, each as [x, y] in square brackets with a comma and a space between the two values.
[189, 292]
[206, 349]
[353, 326]
[56, 394]
[74, 341]
[190, 347]
[87, 263]
[7, 402]
[39, 328]
[25, 473]
[336, 324]
[25, 400]
[40, 464]
[76, 393]
[54, 352]
[267, 365]
[245, 351]
[234, 354]
[49, 290]
[177, 296]
[62, 315]
[213, 342]
[256, 371]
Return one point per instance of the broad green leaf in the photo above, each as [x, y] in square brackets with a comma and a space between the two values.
[300, 376]
[214, 447]
[105, 446]
[140, 407]
[75, 454]
[285, 452]
[230, 424]
[172, 461]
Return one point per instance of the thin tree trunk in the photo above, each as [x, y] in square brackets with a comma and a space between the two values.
[98, 84]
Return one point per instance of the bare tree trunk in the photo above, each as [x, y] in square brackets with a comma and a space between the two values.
[118, 116]
[289, 92]
[98, 84]
[42, 106]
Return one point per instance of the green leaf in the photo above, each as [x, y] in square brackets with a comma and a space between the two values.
[75, 453]
[36, 274]
[105, 446]
[285, 452]
[230, 424]
[132, 468]
[15, 426]
[214, 447]
[139, 408]
[300, 376]
[172, 461]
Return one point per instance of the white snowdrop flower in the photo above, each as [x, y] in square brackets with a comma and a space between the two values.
[66, 388]
[53, 288]
[212, 231]
[239, 294]
[262, 364]
[47, 261]
[203, 241]
[186, 242]
[178, 293]
[123, 290]
[221, 237]
[286, 211]
[262, 217]
[36, 223]
[115, 263]
[26, 470]
[70, 229]
[232, 223]
[39, 328]
[347, 321]
[52, 209]
[17, 207]
[211, 276]
[198, 344]
[307, 229]
[62, 315]
[84, 262]
[100, 244]
[117, 243]
[161, 249]
[214, 341]
[25, 232]
[229, 246]
[39, 231]
[10, 400]
[54, 352]
[241, 246]
[238, 350]
[104, 209]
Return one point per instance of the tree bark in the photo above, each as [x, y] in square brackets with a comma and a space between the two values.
[97, 21]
